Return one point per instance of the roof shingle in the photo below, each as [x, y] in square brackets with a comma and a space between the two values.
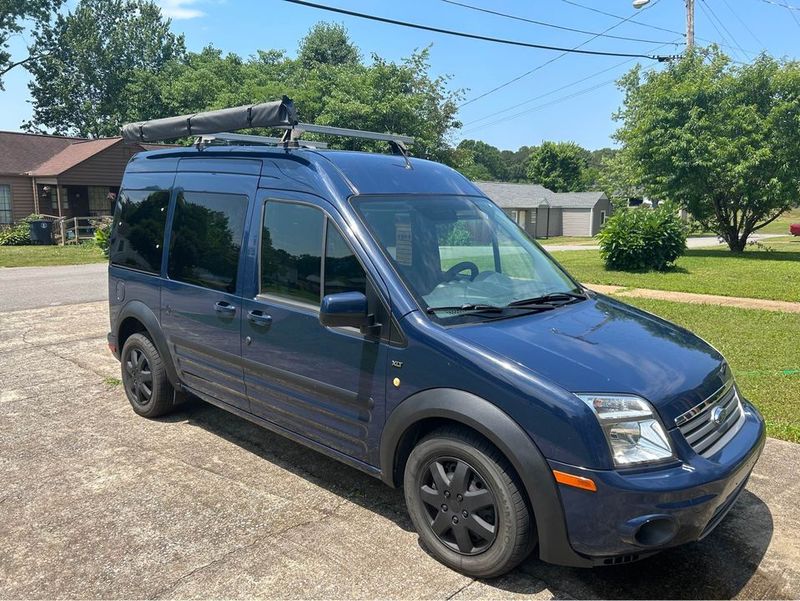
[21, 152]
[528, 196]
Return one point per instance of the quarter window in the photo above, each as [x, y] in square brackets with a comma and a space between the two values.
[206, 240]
[343, 272]
[5, 204]
[138, 237]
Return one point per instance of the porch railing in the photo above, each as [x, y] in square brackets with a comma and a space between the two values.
[72, 230]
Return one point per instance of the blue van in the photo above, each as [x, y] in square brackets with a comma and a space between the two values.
[381, 310]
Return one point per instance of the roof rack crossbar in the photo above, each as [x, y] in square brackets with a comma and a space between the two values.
[348, 133]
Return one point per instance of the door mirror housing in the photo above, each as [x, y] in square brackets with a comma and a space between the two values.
[344, 309]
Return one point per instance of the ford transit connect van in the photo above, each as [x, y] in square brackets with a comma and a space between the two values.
[381, 310]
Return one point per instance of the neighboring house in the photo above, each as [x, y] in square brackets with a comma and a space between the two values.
[61, 176]
[542, 212]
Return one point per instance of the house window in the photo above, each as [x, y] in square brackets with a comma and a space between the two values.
[602, 217]
[99, 204]
[5, 203]
[54, 198]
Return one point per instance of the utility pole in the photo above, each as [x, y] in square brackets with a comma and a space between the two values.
[689, 20]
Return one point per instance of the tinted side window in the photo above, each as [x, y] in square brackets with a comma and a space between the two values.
[291, 251]
[343, 272]
[207, 232]
[138, 237]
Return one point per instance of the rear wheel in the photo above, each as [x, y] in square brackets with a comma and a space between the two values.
[144, 377]
[465, 502]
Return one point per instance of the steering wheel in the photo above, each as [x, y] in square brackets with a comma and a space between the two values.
[451, 273]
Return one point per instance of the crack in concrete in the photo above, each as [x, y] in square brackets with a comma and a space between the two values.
[467, 585]
[165, 591]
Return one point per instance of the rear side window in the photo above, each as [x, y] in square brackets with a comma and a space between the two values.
[206, 240]
[139, 221]
[291, 251]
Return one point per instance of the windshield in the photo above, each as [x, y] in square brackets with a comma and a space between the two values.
[460, 251]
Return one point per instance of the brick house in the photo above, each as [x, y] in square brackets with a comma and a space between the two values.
[60, 176]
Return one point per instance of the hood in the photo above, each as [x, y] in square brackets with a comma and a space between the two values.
[602, 345]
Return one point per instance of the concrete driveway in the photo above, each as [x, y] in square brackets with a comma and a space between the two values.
[695, 242]
[97, 502]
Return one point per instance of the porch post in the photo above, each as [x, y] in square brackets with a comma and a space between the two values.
[35, 197]
[58, 199]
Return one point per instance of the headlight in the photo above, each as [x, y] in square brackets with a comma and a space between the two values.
[634, 433]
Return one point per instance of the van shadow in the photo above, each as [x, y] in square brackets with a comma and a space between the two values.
[334, 476]
[722, 566]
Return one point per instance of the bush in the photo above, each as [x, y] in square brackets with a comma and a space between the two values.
[641, 239]
[102, 233]
[18, 234]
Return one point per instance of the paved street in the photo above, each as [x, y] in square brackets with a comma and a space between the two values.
[33, 287]
[97, 502]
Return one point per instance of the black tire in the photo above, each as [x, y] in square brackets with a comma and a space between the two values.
[144, 377]
[468, 465]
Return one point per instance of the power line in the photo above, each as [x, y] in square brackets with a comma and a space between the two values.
[564, 87]
[552, 102]
[463, 34]
[551, 25]
[711, 17]
[544, 64]
[785, 5]
[602, 12]
[745, 25]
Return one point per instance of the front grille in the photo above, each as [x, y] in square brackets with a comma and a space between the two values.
[708, 426]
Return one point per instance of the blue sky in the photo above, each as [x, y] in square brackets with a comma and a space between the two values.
[580, 112]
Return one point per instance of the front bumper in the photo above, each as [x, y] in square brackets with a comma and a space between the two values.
[634, 514]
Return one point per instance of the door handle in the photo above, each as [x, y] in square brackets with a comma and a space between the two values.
[259, 318]
[225, 308]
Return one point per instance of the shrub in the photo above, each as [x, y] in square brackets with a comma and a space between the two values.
[18, 234]
[641, 239]
[102, 233]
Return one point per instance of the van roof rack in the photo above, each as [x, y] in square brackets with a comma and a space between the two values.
[228, 138]
[216, 125]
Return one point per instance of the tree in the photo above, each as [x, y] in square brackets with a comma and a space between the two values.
[381, 96]
[559, 166]
[517, 163]
[481, 161]
[13, 13]
[720, 139]
[327, 44]
[86, 60]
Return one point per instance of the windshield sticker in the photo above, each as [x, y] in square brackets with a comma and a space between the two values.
[402, 231]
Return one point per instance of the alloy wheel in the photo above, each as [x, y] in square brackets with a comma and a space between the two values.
[139, 384]
[459, 504]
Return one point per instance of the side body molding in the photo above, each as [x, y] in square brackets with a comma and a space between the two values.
[145, 315]
[487, 419]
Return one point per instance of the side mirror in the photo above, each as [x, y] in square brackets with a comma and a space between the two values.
[345, 309]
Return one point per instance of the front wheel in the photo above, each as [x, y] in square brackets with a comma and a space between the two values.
[465, 502]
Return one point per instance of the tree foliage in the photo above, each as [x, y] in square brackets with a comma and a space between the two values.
[722, 140]
[327, 44]
[559, 166]
[86, 59]
[13, 13]
[400, 97]
[481, 161]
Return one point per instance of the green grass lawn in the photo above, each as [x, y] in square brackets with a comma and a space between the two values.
[781, 224]
[762, 349]
[35, 256]
[754, 273]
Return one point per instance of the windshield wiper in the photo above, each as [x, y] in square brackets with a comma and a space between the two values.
[481, 309]
[547, 299]
[471, 307]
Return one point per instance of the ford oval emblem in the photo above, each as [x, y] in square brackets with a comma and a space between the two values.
[718, 415]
